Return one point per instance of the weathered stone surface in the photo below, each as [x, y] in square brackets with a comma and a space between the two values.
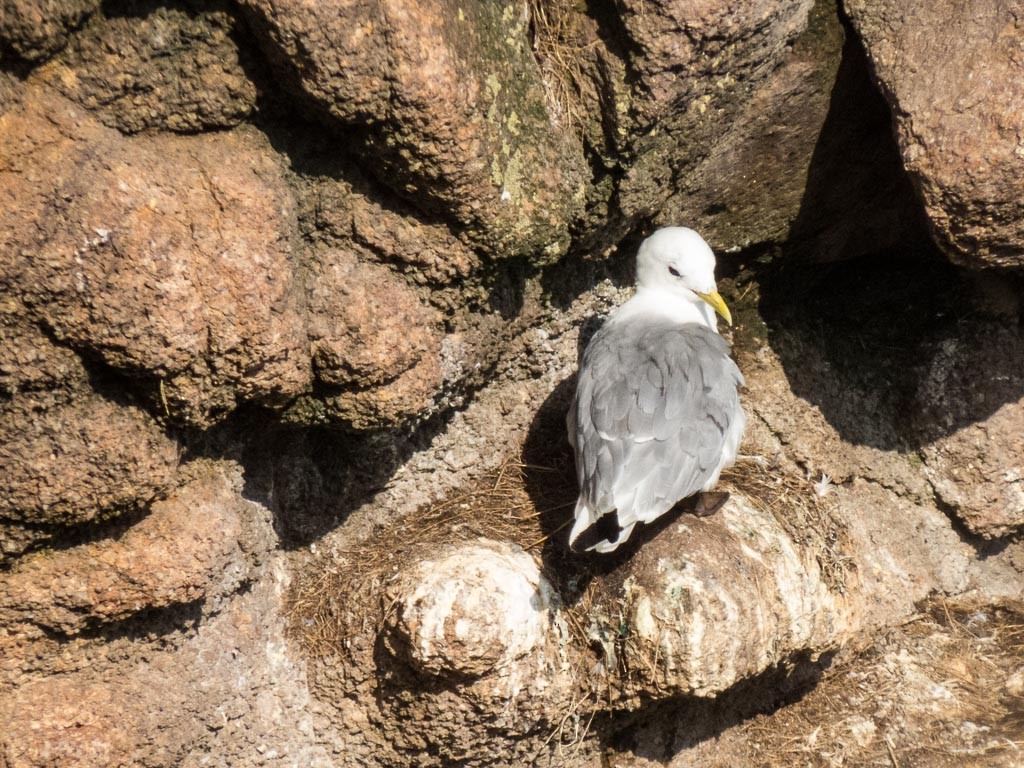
[751, 186]
[343, 207]
[68, 722]
[188, 544]
[448, 99]
[703, 612]
[970, 415]
[29, 360]
[372, 337]
[953, 74]
[165, 256]
[158, 67]
[366, 325]
[72, 458]
[471, 611]
[681, 45]
[34, 30]
[695, 65]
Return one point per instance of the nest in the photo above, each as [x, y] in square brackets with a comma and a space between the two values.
[802, 513]
[334, 599]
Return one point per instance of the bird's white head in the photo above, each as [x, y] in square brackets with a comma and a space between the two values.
[676, 260]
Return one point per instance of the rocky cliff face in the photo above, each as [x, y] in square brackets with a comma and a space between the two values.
[291, 296]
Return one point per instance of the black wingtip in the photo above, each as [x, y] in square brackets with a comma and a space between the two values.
[605, 528]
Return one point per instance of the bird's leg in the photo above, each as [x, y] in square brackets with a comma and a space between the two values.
[710, 502]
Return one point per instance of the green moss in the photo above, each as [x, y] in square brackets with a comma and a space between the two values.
[306, 410]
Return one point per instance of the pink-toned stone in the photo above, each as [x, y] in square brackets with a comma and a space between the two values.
[168, 257]
[448, 101]
[177, 554]
[953, 74]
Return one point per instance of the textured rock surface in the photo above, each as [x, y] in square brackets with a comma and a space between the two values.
[72, 458]
[695, 66]
[36, 29]
[187, 545]
[448, 100]
[974, 453]
[369, 331]
[291, 295]
[145, 66]
[703, 614]
[751, 186]
[954, 77]
[471, 611]
[192, 234]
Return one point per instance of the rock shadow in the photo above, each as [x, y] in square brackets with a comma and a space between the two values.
[662, 729]
[312, 478]
[862, 303]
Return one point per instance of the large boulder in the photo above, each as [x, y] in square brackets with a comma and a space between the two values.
[953, 74]
[167, 257]
[447, 101]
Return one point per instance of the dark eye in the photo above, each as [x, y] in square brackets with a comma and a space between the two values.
[673, 271]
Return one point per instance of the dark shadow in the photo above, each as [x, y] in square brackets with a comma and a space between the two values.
[151, 625]
[860, 340]
[858, 198]
[863, 301]
[579, 271]
[310, 477]
[662, 729]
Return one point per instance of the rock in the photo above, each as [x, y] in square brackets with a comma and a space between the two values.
[750, 187]
[34, 30]
[373, 338]
[972, 427]
[366, 325]
[478, 608]
[740, 596]
[694, 67]
[447, 100]
[29, 360]
[685, 50]
[168, 257]
[340, 205]
[68, 722]
[179, 553]
[74, 458]
[393, 403]
[953, 75]
[173, 67]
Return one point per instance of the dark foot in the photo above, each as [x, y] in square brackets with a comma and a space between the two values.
[710, 502]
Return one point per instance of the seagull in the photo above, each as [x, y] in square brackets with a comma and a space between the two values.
[657, 415]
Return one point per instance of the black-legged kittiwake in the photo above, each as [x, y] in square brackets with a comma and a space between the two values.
[657, 416]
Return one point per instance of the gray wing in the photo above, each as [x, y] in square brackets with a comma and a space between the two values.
[654, 402]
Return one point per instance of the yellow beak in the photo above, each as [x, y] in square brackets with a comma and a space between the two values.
[717, 303]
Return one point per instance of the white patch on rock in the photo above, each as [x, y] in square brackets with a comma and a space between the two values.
[475, 610]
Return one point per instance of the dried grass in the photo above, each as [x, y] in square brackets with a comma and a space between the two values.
[332, 601]
[803, 514]
[967, 648]
[343, 594]
[560, 55]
